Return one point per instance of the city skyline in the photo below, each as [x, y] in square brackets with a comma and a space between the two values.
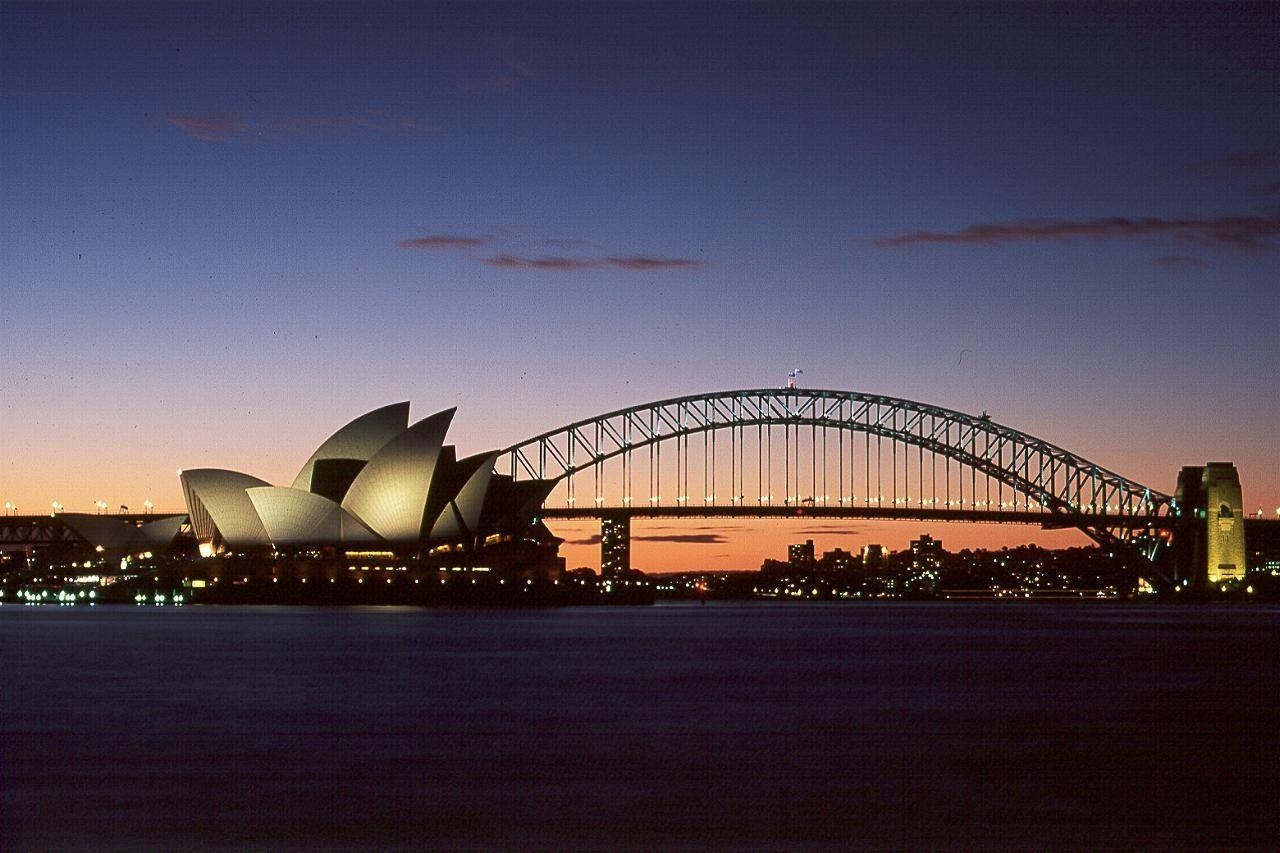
[230, 227]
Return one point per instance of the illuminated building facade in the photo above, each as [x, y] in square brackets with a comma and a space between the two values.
[873, 556]
[378, 484]
[924, 574]
[615, 546]
[801, 555]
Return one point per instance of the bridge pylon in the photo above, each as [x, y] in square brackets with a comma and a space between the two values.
[1210, 547]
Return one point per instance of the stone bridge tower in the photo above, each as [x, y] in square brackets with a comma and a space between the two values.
[1216, 550]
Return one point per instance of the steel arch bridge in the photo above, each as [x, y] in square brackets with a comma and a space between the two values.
[792, 451]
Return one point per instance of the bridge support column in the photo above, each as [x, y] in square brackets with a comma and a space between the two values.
[1213, 546]
[615, 545]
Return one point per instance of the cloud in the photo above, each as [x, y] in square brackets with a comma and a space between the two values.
[1175, 263]
[680, 538]
[1241, 233]
[209, 127]
[642, 263]
[442, 241]
[553, 263]
[220, 127]
[558, 263]
[837, 530]
[683, 538]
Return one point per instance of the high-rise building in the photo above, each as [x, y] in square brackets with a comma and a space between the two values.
[925, 572]
[926, 548]
[615, 546]
[873, 556]
[801, 556]
[838, 561]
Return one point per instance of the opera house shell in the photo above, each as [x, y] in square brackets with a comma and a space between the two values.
[376, 483]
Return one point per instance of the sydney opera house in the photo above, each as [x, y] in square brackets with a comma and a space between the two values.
[377, 485]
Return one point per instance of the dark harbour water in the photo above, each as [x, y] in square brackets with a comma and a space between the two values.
[738, 726]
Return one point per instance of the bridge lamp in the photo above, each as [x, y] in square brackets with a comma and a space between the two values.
[147, 505]
[599, 499]
[8, 508]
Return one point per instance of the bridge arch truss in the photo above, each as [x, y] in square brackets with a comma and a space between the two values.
[826, 449]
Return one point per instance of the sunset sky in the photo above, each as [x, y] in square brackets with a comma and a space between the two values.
[227, 230]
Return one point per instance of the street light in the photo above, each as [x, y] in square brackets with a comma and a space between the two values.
[57, 507]
[147, 505]
[8, 508]
[102, 506]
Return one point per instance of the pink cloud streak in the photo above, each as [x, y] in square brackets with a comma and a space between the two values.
[209, 127]
[442, 241]
[1242, 233]
[634, 264]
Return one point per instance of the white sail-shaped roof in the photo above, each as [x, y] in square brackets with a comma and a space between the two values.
[461, 515]
[390, 492]
[360, 439]
[294, 517]
[216, 500]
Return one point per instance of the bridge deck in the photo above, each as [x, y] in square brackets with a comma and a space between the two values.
[1042, 519]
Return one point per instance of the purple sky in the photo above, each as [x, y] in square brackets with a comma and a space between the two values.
[227, 230]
